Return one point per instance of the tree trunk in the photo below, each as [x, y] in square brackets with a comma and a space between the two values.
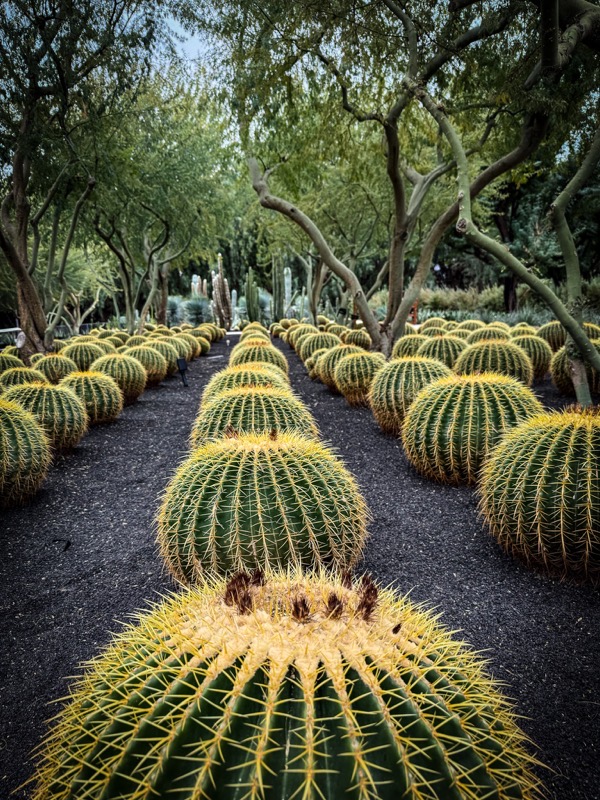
[32, 319]
[511, 299]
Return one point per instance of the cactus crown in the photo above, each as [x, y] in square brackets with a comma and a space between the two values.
[502, 356]
[16, 376]
[288, 687]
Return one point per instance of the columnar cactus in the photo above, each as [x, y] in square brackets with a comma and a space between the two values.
[487, 334]
[331, 359]
[257, 501]
[408, 345]
[151, 360]
[249, 409]
[127, 372]
[58, 410]
[541, 493]
[261, 353]
[168, 352]
[24, 454]
[354, 375]
[316, 341]
[256, 375]
[101, 396]
[503, 357]
[83, 353]
[358, 338]
[396, 385]
[538, 350]
[454, 423]
[443, 348]
[16, 376]
[252, 297]
[54, 367]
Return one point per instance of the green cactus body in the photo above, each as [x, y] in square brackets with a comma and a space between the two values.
[522, 329]
[137, 341]
[397, 384]
[151, 360]
[102, 334]
[276, 330]
[254, 333]
[354, 375]
[254, 375]
[592, 330]
[327, 364]
[503, 326]
[451, 325]
[487, 334]
[311, 363]
[336, 329]
[260, 501]
[454, 423]
[316, 341]
[252, 341]
[83, 353]
[127, 372]
[259, 353]
[249, 409]
[538, 350]
[9, 362]
[298, 331]
[287, 687]
[502, 356]
[554, 334]
[460, 333]
[54, 367]
[182, 349]
[408, 345]
[432, 322]
[16, 376]
[471, 325]
[540, 493]
[58, 410]
[442, 348]
[24, 453]
[560, 370]
[114, 341]
[34, 358]
[167, 351]
[432, 331]
[358, 338]
[11, 350]
[193, 344]
[99, 393]
[107, 346]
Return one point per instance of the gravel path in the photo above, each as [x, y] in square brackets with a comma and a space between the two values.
[81, 557]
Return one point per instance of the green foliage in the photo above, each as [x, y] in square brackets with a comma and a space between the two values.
[15, 376]
[255, 374]
[442, 348]
[259, 353]
[99, 393]
[127, 372]
[397, 384]
[24, 454]
[58, 410]
[503, 357]
[323, 680]
[151, 360]
[454, 423]
[354, 375]
[305, 510]
[251, 409]
[541, 493]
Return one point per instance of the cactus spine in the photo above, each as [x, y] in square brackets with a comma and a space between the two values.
[101, 396]
[221, 296]
[127, 372]
[538, 350]
[17, 376]
[83, 353]
[454, 423]
[257, 375]
[58, 410]
[24, 453]
[151, 360]
[503, 357]
[286, 686]
[327, 365]
[354, 374]
[260, 353]
[443, 348]
[55, 367]
[541, 493]
[252, 304]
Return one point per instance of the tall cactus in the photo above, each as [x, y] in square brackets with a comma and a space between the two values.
[277, 278]
[252, 304]
[286, 686]
[221, 296]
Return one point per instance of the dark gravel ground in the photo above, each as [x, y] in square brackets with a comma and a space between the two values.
[81, 557]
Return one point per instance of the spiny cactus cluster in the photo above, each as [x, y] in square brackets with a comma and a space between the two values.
[24, 453]
[126, 371]
[354, 375]
[59, 411]
[99, 393]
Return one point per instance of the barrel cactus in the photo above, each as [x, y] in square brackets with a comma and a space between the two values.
[408, 345]
[34, 358]
[538, 350]
[253, 333]
[358, 338]
[554, 333]
[16, 376]
[487, 334]
[108, 345]
[471, 325]
[24, 454]
[540, 493]
[151, 360]
[331, 359]
[99, 393]
[461, 333]
[251, 409]
[397, 384]
[181, 347]
[262, 353]
[522, 329]
[311, 363]
[317, 341]
[244, 502]
[442, 348]
[58, 410]
[167, 351]
[298, 331]
[9, 362]
[83, 352]
[257, 375]
[433, 322]
[560, 369]
[193, 344]
[354, 375]
[336, 328]
[127, 372]
[455, 422]
[503, 357]
[432, 331]
[54, 367]
[137, 341]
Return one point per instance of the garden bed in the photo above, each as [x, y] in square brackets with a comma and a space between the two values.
[82, 556]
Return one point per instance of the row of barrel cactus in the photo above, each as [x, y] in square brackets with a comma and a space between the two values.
[263, 681]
